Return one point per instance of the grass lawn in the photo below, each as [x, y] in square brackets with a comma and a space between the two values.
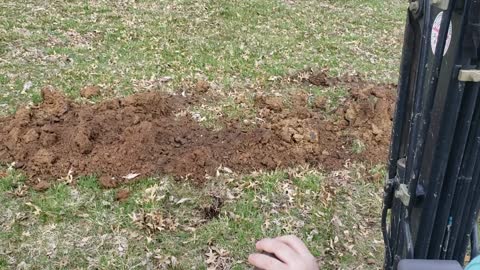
[131, 46]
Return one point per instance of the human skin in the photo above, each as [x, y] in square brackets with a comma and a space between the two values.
[287, 253]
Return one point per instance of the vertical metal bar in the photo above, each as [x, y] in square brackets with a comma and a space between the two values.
[469, 169]
[414, 147]
[408, 237]
[469, 219]
[398, 130]
[474, 240]
[453, 170]
[422, 120]
[442, 152]
[441, 157]
[403, 90]
[398, 215]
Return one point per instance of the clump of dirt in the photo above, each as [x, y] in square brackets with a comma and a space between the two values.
[270, 102]
[90, 91]
[144, 134]
[122, 195]
[202, 86]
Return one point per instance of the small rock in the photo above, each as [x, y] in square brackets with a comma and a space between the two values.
[18, 165]
[122, 195]
[27, 86]
[297, 138]
[376, 130]
[371, 261]
[325, 153]
[90, 91]
[202, 86]
[41, 186]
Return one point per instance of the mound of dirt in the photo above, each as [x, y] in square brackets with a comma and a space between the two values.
[143, 134]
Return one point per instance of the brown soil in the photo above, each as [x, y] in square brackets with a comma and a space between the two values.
[202, 86]
[90, 91]
[145, 134]
[122, 195]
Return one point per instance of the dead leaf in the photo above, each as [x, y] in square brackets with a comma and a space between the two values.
[131, 176]
[37, 211]
[154, 221]
[183, 200]
[218, 258]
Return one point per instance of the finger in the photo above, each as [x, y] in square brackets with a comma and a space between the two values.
[283, 252]
[266, 262]
[295, 243]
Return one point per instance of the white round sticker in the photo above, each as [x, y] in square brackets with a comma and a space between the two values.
[436, 33]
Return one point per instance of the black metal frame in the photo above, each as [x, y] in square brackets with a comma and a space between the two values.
[435, 149]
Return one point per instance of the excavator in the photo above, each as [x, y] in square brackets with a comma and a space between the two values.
[432, 189]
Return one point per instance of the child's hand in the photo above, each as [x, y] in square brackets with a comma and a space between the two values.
[291, 252]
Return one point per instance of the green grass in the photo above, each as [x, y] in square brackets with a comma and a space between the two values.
[128, 46]
[86, 223]
[358, 146]
[240, 47]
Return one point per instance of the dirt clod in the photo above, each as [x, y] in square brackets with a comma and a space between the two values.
[43, 157]
[212, 211]
[108, 181]
[54, 104]
[202, 86]
[319, 79]
[269, 102]
[122, 195]
[41, 186]
[31, 136]
[144, 133]
[320, 102]
[90, 91]
[82, 141]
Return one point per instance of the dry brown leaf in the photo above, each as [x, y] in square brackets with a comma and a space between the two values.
[155, 221]
[218, 259]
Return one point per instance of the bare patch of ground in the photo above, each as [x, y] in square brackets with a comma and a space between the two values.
[150, 133]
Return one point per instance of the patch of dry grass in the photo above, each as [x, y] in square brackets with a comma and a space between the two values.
[128, 46]
[164, 223]
[241, 48]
